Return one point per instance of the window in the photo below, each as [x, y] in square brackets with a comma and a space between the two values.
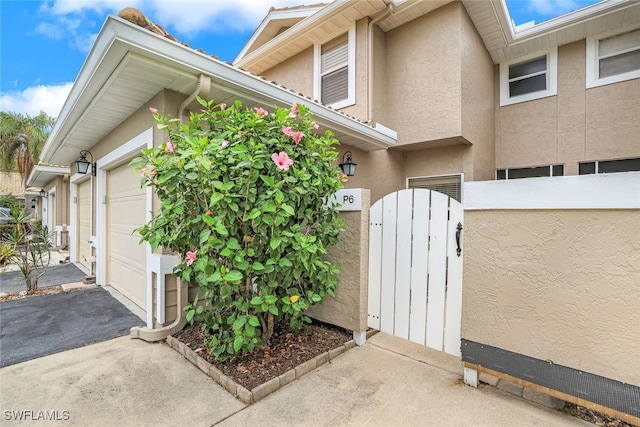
[609, 166]
[335, 70]
[451, 185]
[532, 172]
[613, 59]
[530, 78]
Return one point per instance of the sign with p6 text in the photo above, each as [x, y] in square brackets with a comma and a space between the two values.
[349, 199]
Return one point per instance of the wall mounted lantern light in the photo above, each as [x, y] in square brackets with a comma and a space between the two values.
[83, 165]
[348, 166]
[33, 203]
[43, 192]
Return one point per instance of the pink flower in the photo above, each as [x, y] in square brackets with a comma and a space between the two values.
[148, 171]
[223, 106]
[297, 136]
[192, 257]
[169, 147]
[287, 130]
[282, 160]
[261, 111]
[153, 110]
[315, 125]
[294, 110]
[224, 143]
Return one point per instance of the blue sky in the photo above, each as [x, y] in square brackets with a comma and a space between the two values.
[43, 44]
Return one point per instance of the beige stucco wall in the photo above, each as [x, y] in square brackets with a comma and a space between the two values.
[294, 73]
[576, 125]
[558, 285]
[423, 89]
[348, 309]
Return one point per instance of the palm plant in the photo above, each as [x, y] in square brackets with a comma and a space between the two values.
[22, 138]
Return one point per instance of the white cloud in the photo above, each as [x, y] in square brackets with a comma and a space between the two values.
[551, 8]
[32, 100]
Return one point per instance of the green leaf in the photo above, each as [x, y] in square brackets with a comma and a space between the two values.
[215, 198]
[275, 242]
[207, 219]
[253, 214]
[269, 206]
[268, 180]
[254, 321]
[239, 323]
[284, 262]
[257, 300]
[221, 229]
[237, 343]
[288, 209]
[257, 266]
[204, 235]
[233, 276]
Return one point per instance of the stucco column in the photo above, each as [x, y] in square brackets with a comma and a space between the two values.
[348, 309]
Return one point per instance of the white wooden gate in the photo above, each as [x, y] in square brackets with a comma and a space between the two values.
[415, 268]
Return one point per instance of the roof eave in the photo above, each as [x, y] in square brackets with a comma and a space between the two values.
[41, 175]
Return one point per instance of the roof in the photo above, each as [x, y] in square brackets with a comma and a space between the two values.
[42, 174]
[491, 18]
[109, 88]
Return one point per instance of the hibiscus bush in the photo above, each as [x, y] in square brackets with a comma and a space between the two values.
[243, 198]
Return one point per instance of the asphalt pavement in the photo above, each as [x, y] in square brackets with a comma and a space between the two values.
[12, 281]
[39, 326]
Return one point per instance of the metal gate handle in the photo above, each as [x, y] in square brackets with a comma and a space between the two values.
[458, 233]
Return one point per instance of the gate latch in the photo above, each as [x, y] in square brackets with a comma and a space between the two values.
[458, 233]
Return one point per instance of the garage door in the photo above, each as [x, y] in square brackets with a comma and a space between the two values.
[126, 205]
[84, 217]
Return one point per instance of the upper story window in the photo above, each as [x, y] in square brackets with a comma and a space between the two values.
[613, 58]
[334, 79]
[609, 166]
[529, 78]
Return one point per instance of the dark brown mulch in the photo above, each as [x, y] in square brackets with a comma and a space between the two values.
[594, 417]
[287, 350]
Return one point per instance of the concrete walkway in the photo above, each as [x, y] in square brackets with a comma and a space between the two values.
[386, 382]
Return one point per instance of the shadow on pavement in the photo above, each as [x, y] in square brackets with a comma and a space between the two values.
[40, 326]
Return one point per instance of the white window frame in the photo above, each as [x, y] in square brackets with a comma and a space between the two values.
[351, 72]
[593, 63]
[551, 72]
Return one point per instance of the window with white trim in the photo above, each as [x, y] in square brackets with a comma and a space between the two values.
[451, 185]
[530, 78]
[530, 172]
[609, 166]
[334, 80]
[613, 58]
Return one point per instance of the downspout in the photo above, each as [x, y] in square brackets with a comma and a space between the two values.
[384, 15]
[149, 334]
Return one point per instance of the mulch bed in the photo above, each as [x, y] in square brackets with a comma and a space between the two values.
[594, 417]
[24, 294]
[287, 350]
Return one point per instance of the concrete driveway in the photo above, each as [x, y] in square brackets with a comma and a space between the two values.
[12, 281]
[39, 326]
[128, 382]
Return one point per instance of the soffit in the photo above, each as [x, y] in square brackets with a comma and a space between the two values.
[41, 175]
[493, 22]
[128, 65]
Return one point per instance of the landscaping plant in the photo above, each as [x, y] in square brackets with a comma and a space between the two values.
[243, 198]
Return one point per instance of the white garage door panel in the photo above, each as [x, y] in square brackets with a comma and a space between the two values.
[84, 214]
[126, 205]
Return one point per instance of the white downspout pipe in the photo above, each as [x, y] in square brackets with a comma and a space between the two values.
[150, 334]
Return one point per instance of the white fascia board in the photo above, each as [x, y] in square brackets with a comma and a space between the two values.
[338, 7]
[603, 191]
[563, 21]
[275, 16]
[45, 171]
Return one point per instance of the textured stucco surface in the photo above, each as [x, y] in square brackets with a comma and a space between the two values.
[349, 307]
[557, 285]
[578, 124]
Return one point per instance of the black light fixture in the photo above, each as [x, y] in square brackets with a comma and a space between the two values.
[82, 164]
[33, 203]
[348, 166]
[43, 192]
